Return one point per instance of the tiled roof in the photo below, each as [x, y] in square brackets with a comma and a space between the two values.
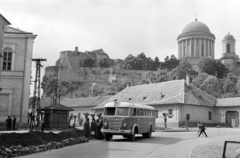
[47, 101]
[225, 102]
[196, 96]
[171, 92]
[58, 107]
[83, 102]
[157, 93]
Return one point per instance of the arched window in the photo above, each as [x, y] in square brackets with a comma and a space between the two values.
[7, 59]
[228, 48]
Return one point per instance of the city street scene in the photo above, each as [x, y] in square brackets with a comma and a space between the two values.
[120, 78]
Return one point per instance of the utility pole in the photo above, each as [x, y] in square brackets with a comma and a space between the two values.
[36, 95]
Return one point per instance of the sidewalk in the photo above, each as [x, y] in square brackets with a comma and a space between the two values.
[214, 148]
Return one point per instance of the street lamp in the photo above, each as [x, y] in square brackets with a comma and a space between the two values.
[92, 88]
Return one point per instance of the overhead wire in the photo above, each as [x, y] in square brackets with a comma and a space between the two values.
[21, 50]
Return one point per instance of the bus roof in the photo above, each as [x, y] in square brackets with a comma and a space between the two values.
[126, 104]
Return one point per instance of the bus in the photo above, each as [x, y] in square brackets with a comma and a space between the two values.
[128, 119]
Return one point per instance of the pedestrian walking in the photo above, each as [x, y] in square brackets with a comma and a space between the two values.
[9, 123]
[93, 129]
[202, 127]
[14, 122]
[198, 126]
[86, 128]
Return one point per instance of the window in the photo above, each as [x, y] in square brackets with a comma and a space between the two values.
[109, 111]
[228, 48]
[7, 59]
[210, 45]
[202, 50]
[192, 50]
[170, 112]
[206, 47]
[122, 111]
[155, 113]
[210, 115]
[183, 51]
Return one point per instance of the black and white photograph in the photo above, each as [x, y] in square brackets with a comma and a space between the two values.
[119, 78]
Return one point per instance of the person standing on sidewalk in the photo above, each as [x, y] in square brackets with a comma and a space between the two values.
[202, 127]
[9, 123]
[14, 122]
[93, 129]
[86, 128]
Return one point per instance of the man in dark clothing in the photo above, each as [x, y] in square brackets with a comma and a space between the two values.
[9, 123]
[93, 129]
[14, 122]
[86, 128]
[202, 130]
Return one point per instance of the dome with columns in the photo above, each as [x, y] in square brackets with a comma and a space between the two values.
[196, 26]
[194, 42]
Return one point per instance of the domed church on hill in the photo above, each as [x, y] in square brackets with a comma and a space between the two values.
[196, 41]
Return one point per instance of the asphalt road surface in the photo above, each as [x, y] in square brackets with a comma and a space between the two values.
[161, 145]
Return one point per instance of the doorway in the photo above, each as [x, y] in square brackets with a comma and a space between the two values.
[232, 119]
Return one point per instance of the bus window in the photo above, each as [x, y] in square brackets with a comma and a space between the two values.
[156, 113]
[134, 112]
[122, 111]
[138, 112]
[144, 112]
[110, 111]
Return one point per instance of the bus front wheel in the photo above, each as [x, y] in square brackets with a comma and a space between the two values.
[108, 137]
[132, 136]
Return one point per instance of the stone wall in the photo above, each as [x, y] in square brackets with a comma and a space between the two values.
[99, 75]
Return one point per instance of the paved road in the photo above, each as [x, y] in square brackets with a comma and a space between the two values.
[162, 144]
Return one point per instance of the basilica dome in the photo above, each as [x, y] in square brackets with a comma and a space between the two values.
[228, 37]
[196, 26]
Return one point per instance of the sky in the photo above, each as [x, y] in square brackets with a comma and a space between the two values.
[119, 27]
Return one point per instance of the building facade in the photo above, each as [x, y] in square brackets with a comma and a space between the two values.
[229, 57]
[179, 98]
[196, 41]
[17, 47]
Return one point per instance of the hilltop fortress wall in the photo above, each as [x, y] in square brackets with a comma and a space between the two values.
[70, 67]
[99, 75]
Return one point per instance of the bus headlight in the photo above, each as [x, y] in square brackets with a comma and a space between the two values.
[124, 125]
[105, 124]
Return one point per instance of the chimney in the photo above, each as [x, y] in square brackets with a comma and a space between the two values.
[76, 49]
[187, 80]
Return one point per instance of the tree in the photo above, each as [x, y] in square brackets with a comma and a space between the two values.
[182, 70]
[104, 62]
[162, 76]
[229, 84]
[150, 77]
[212, 67]
[88, 61]
[141, 62]
[170, 63]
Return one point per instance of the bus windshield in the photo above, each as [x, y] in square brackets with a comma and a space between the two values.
[119, 111]
[122, 111]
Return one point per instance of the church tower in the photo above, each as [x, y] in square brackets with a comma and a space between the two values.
[195, 41]
[229, 57]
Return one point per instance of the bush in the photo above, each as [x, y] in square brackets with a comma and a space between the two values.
[36, 138]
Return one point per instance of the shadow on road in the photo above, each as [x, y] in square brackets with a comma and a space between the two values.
[152, 140]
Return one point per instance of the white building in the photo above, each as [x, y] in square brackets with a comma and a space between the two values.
[17, 47]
